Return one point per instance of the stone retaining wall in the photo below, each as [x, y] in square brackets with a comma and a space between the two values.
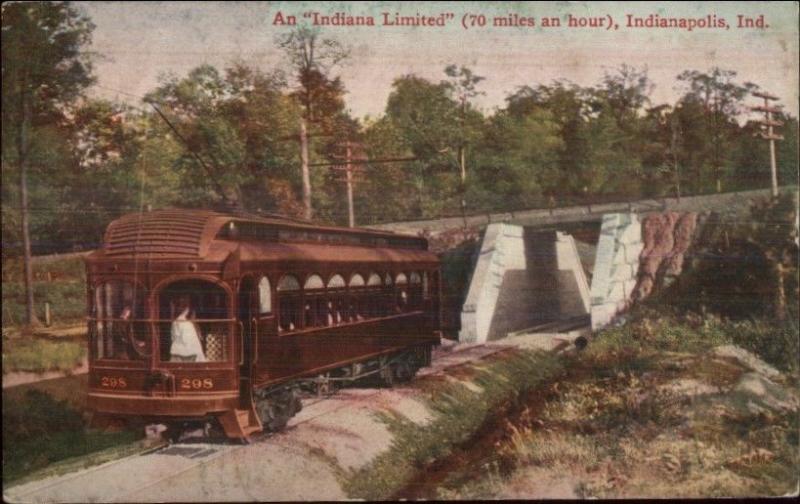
[616, 266]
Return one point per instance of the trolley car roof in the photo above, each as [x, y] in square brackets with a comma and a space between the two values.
[183, 233]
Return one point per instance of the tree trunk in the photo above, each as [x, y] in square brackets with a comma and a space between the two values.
[307, 211]
[780, 292]
[22, 152]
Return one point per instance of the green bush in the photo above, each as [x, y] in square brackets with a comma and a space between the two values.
[775, 342]
[38, 430]
[67, 301]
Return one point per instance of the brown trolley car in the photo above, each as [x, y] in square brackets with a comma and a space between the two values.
[198, 314]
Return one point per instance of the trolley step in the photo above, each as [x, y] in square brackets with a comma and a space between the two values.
[240, 423]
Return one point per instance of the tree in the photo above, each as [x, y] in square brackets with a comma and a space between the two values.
[720, 99]
[515, 160]
[44, 72]
[237, 122]
[321, 97]
[463, 84]
[426, 119]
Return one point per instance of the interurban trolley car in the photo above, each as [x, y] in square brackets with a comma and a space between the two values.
[200, 315]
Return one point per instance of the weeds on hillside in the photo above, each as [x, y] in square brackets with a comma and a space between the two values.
[648, 411]
[458, 414]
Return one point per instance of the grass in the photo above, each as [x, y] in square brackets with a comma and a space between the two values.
[38, 355]
[40, 430]
[458, 415]
[655, 327]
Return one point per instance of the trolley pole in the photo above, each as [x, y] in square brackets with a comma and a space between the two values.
[770, 135]
[349, 173]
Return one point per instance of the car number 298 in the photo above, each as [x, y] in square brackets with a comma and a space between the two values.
[196, 383]
[113, 382]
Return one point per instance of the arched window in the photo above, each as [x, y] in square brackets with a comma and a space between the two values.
[196, 323]
[289, 302]
[337, 300]
[336, 282]
[373, 305]
[314, 282]
[401, 290]
[264, 296]
[288, 283]
[315, 311]
[415, 291]
[356, 309]
[388, 295]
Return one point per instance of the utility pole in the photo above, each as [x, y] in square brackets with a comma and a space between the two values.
[462, 160]
[351, 165]
[349, 172]
[23, 149]
[769, 135]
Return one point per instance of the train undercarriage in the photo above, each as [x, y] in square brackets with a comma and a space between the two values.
[275, 405]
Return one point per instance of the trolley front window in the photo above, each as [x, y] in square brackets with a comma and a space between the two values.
[194, 323]
[116, 328]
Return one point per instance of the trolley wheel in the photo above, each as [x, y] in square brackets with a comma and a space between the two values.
[387, 376]
[403, 371]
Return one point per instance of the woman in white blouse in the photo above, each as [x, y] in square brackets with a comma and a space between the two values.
[186, 346]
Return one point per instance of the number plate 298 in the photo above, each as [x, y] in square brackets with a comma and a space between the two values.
[113, 382]
[197, 383]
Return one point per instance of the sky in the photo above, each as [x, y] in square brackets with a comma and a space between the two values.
[136, 44]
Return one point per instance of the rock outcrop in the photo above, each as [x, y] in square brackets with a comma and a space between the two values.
[666, 237]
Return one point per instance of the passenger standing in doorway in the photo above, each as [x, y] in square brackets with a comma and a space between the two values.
[186, 345]
[121, 331]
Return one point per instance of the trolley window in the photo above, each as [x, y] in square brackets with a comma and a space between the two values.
[264, 296]
[289, 299]
[194, 322]
[374, 303]
[401, 292]
[337, 300]
[315, 309]
[415, 291]
[116, 327]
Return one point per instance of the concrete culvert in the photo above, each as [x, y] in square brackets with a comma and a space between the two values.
[581, 342]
